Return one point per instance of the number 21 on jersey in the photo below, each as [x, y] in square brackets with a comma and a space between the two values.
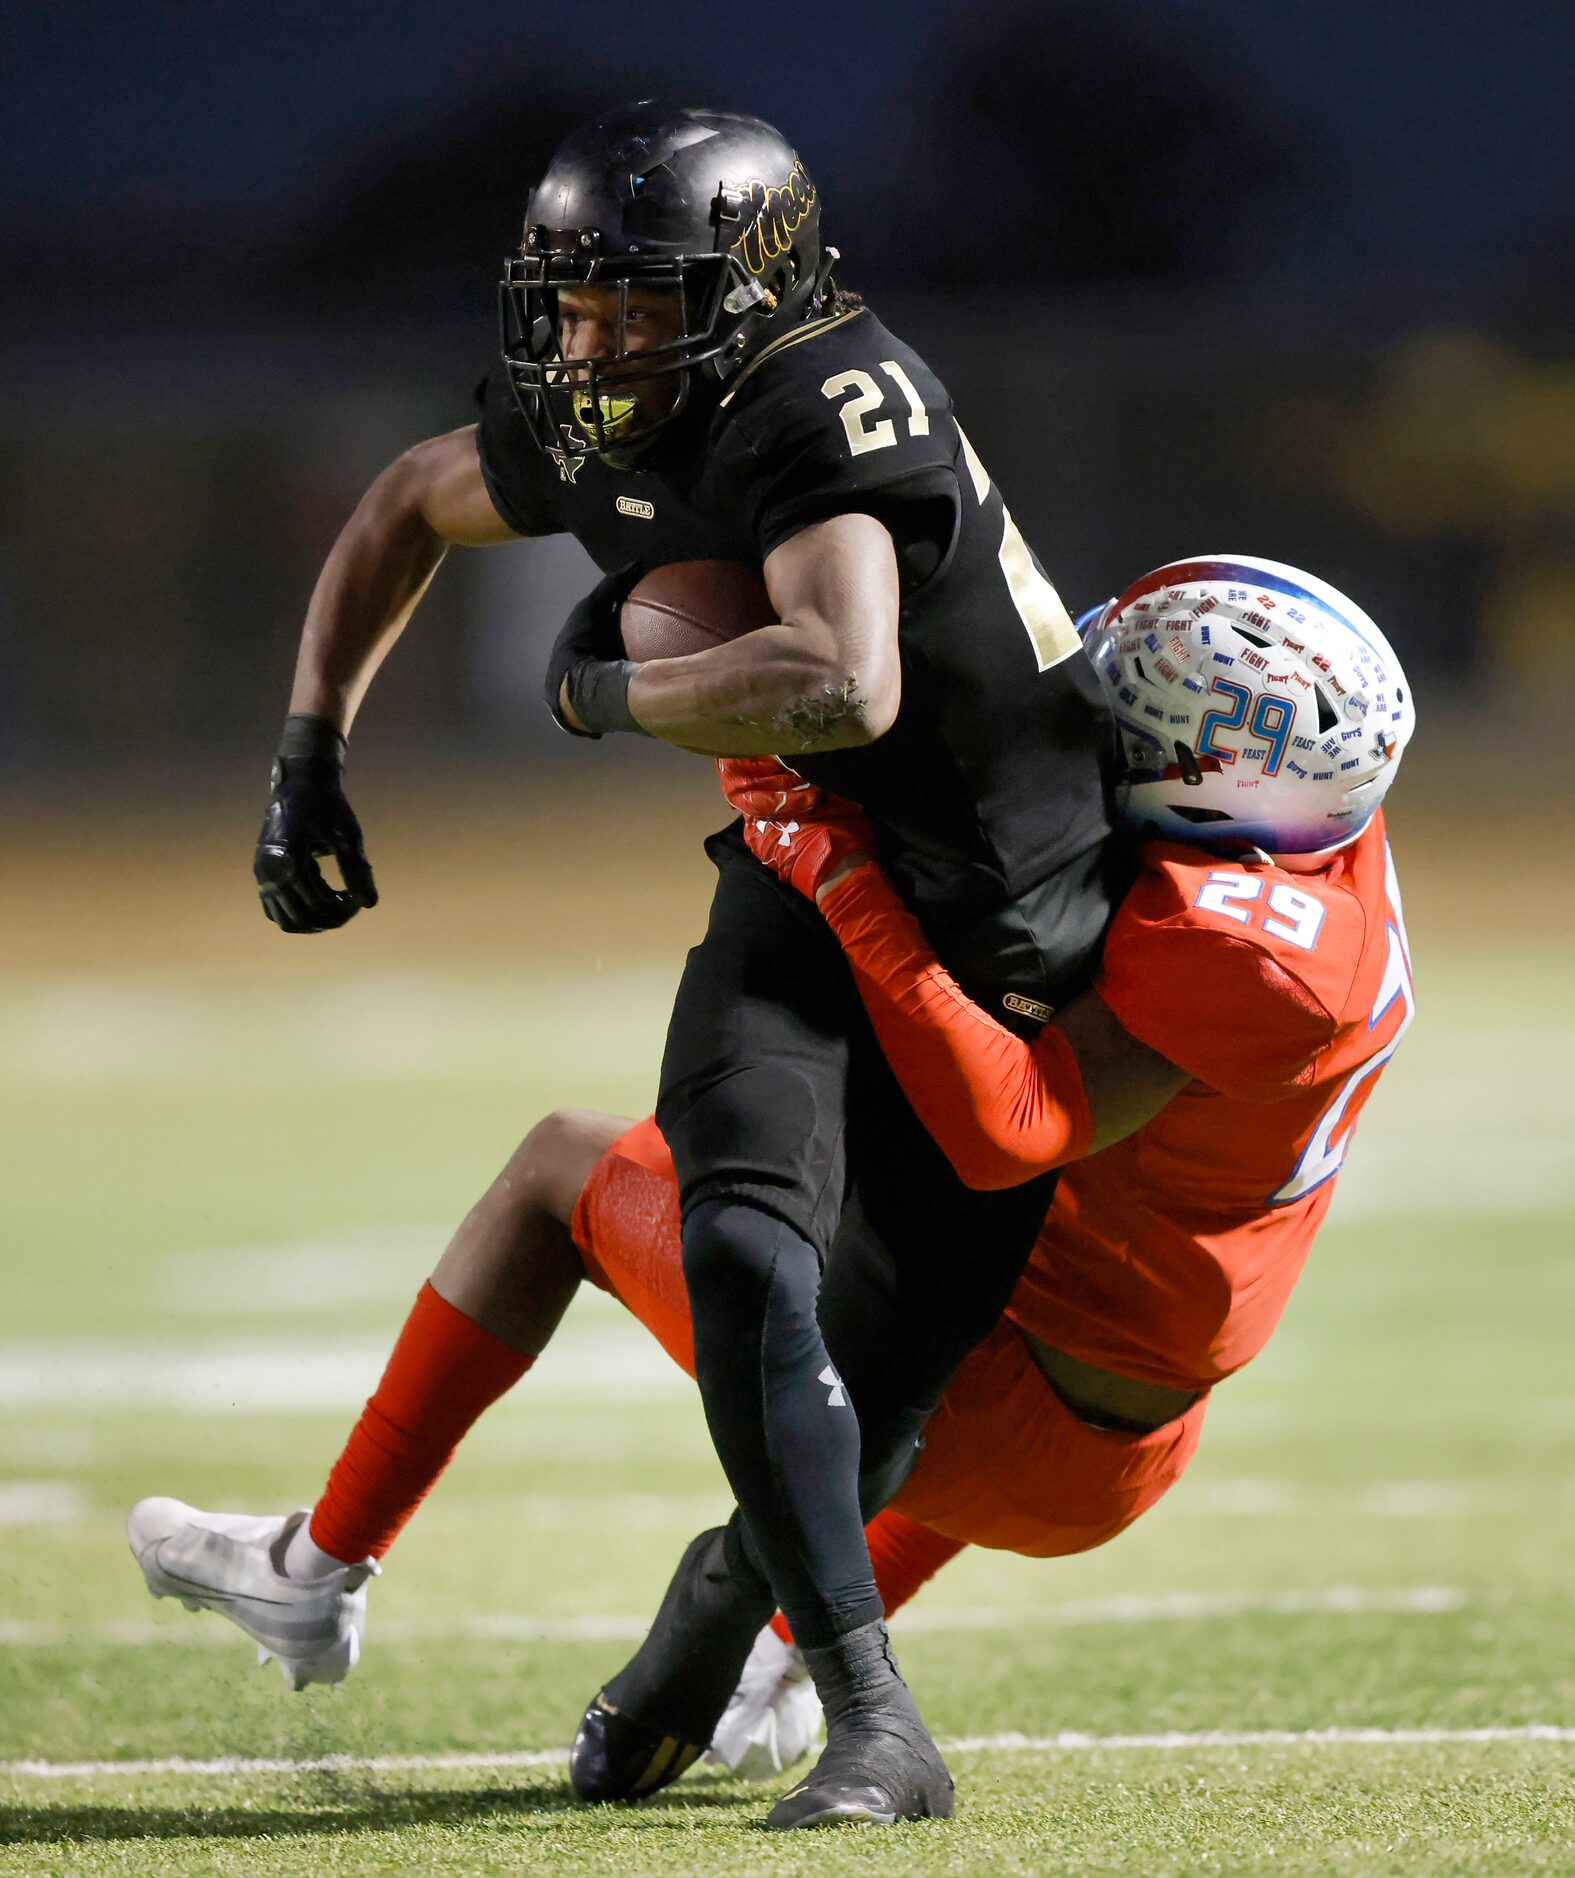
[880, 433]
[870, 421]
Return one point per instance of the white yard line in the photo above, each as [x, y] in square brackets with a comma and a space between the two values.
[42, 1503]
[593, 1361]
[1180, 1606]
[1067, 1742]
[245, 1764]
[504, 1627]
[156, 1032]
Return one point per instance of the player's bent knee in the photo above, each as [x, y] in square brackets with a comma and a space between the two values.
[551, 1165]
[736, 1254]
[722, 1249]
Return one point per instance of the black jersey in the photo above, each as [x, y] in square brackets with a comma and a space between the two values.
[988, 793]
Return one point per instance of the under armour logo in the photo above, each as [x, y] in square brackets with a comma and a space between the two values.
[569, 466]
[785, 833]
[837, 1399]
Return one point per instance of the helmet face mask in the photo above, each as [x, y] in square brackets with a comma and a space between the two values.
[580, 404]
[714, 209]
[1257, 707]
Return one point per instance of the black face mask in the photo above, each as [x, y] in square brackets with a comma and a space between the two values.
[584, 405]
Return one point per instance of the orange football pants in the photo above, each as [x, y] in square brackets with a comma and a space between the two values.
[1005, 1463]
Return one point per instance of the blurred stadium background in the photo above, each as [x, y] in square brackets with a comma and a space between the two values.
[1212, 276]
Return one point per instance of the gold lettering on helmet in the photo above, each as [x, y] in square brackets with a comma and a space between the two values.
[772, 214]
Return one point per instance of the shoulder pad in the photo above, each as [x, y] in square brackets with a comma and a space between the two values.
[1311, 925]
[1237, 974]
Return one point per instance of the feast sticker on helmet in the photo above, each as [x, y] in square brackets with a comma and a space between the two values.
[711, 213]
[1257, 705]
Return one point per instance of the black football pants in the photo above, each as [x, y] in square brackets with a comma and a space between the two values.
[838, 1270]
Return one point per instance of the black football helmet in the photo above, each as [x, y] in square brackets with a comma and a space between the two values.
[716, 207]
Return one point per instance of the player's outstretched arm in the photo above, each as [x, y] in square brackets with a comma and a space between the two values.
[428, 499]
[826, 678]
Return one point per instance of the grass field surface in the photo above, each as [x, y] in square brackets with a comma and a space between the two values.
[1341, 1645]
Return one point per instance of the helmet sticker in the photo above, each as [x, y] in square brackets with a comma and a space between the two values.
[771, 215]
[1287, 741]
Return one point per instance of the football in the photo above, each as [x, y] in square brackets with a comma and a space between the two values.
[689, 605]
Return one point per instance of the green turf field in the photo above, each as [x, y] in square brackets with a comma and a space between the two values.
[1329, 1651]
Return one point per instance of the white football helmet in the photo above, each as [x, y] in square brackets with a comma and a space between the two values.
[1257, 706]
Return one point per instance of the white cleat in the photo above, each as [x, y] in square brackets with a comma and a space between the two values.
[229, 1563]
[774, 1718]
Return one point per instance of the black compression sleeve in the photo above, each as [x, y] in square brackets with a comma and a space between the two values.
[784, 1428]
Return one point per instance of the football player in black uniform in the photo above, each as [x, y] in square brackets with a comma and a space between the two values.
[680, 379]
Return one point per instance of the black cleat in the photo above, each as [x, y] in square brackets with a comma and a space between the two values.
[618, 1757]
[658, 1714]
[879, 1764]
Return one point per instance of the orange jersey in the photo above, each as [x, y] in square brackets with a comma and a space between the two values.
[1170, 1256]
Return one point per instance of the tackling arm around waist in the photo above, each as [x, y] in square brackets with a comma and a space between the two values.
[1001, 1109]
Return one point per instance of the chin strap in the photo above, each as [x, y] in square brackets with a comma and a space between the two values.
[806, 300]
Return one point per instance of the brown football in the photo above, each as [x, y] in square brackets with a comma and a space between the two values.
[689, 605]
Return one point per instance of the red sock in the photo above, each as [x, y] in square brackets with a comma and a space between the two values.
[445, 1369]
[905, 1556]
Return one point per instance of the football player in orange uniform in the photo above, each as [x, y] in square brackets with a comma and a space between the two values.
[1255, 981]
[1277, 983]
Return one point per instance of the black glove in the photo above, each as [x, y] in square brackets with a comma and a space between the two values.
[309, 816]
[588, 653]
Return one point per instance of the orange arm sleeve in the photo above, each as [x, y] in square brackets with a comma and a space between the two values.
[1002, 1110]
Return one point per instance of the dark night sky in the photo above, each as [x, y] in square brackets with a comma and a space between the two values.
[1441, 124]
